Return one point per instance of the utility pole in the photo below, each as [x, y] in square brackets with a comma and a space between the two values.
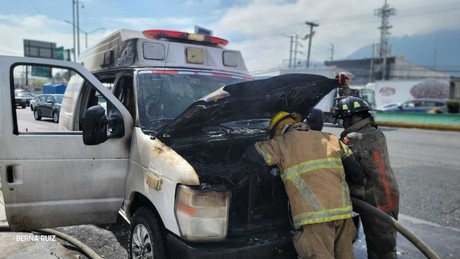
[332, 51]
[309, 36]
[74, 38]
[78, 28]
[371, 67]
[385, 12]
[295, 50]
[86, 34]
[290, 52]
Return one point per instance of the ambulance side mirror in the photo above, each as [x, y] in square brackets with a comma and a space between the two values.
[94, 126]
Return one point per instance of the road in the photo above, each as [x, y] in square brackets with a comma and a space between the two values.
[426, 164]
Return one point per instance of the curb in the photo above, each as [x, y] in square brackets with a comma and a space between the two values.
[448, 122]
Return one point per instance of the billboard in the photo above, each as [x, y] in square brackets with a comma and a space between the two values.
[40, 49]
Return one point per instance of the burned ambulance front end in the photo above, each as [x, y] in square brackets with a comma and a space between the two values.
[238, 209]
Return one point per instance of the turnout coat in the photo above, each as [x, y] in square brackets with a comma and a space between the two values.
[311, 168]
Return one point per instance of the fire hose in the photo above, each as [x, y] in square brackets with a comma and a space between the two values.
[416, 241]
[78, 244]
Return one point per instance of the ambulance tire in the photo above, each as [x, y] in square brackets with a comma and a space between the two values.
[146, 239]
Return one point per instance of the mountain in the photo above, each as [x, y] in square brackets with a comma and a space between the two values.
[439, 50]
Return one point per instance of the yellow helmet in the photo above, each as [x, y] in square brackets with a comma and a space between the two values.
[280, 120]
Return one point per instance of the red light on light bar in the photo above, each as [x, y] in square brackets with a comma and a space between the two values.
[167, 34]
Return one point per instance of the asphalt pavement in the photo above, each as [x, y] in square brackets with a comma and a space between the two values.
[19, 245]
[444, 241]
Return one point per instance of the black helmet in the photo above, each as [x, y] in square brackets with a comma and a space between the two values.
[349, 106]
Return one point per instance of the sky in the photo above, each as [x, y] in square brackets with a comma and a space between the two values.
[260, 29]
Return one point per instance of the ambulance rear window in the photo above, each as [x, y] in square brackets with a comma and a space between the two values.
[230, 58]
[155, 51]
[195, 55]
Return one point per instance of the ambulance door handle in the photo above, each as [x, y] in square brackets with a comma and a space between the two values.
[9, 174]
[13, 176]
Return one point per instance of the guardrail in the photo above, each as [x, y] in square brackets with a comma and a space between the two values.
[437, 121]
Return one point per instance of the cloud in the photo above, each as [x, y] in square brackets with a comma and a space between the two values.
[261, 29]
[153, 22]
[16, 28]
[267, 29]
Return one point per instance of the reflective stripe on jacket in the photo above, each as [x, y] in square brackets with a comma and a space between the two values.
[311, 168]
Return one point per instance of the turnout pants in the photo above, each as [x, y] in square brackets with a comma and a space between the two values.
[380, 237]
[328, 240]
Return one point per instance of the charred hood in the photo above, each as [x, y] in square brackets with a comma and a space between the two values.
[258, 99]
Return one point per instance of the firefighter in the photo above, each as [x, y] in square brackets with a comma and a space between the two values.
[311, 165]
[368, 144]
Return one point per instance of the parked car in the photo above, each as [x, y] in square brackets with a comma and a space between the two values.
[387, 106]
[48, 105]
[22, 98]
[417, 105]
[33, 101]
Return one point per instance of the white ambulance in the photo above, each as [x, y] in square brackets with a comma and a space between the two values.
[164, 147]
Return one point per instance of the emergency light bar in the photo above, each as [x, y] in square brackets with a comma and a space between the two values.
[167, 34]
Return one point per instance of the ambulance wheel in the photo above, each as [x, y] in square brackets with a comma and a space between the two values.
[146, 239]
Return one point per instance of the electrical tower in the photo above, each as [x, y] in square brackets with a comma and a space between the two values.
[385, 12]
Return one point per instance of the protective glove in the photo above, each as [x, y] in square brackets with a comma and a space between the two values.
[358, 191]
[343, 78]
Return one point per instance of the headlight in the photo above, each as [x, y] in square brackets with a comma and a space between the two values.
[202, 214]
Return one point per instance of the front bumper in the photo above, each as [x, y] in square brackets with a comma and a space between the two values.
[22, 102]
[264, 245]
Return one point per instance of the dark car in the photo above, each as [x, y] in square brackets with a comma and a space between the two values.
[418, 105]
[48, 105]
[22, 98]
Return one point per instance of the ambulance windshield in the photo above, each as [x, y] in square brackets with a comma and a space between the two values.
[164, 95]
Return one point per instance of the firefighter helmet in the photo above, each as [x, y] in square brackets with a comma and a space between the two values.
[349, 106]
[280, 120]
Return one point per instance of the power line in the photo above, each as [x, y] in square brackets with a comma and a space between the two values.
[413, 12]
[360, 19]
[347, 21]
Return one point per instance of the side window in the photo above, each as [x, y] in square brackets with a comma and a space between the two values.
[124, 91]
[62, 99]
[411, 104]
